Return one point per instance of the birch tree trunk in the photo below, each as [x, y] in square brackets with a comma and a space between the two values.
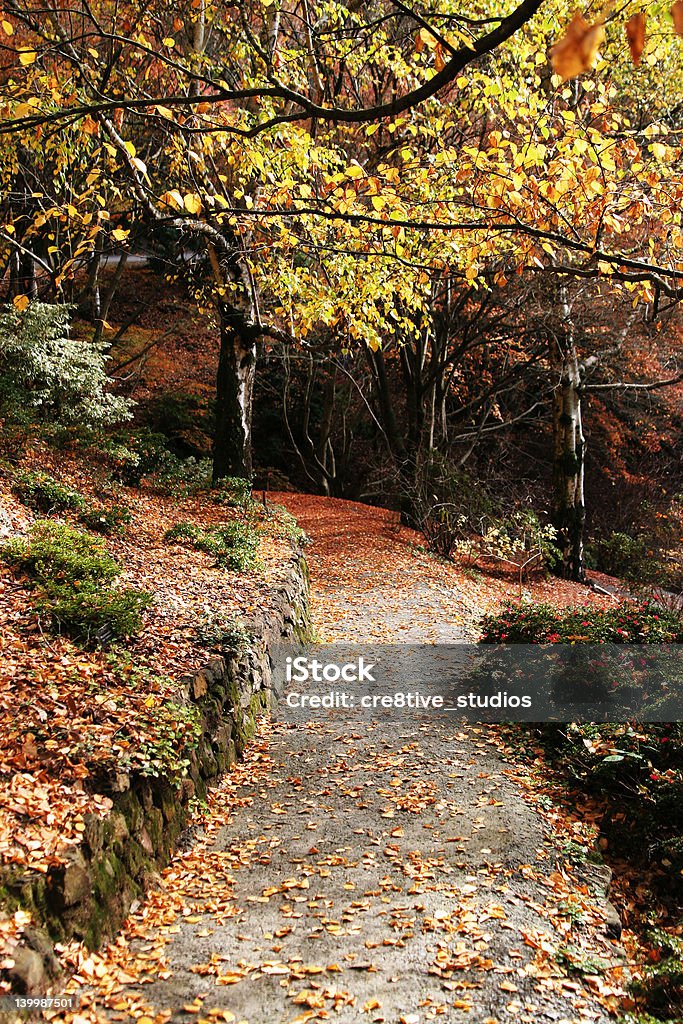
[234, 400]
[569, 449]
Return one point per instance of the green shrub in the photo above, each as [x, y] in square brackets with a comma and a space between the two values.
[55, 553]
[450, 506]
[645, 623]
[183, 477]
[107, 519]
[42, 492]
[144, 455]
[185, 532]
[223, 633]
[136, 454]
[71, 574]
[96, 614]
[233, 545]
[640, 559]
[233, 491]
[619, 555]
[48, 375]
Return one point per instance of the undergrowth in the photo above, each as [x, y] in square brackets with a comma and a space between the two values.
[233, 545]
[71, 575]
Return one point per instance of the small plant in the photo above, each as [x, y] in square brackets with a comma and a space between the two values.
[106, 519]
[233, 545]
[42, 492]
[137, 454]
[577, 961]
[171, 731]
[572, 909]
[641, 559]
[182, 478]
[281, 523]
[660, 988]
[57, 552]
[71, 574]
[222, 633]
[233, 491]
[620, 555]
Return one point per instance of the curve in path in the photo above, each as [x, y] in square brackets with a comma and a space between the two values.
[354, 871]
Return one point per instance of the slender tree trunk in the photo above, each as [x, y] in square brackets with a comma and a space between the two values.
[234, 400]
[569, 509]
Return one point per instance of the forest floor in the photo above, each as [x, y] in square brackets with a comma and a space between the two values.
[354, 870]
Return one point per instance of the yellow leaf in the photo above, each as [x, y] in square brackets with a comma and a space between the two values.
[172, 198]
[120, 234]
[169, 41]
[8, 28]
[577, 49]
[165, 112]
[427, 38]
[27, 56]
[192, 203]
[378, 203]
[354, 171]
[20, 302]
[659, 150]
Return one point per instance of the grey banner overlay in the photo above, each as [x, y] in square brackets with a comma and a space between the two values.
[481, 683]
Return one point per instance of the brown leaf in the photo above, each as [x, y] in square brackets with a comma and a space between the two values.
[577, 49]
[635, 33]
[677, 15]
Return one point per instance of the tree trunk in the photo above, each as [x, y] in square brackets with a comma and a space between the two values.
[569, 510]
[234, 399]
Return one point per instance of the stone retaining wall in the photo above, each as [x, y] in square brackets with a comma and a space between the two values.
[88, 896]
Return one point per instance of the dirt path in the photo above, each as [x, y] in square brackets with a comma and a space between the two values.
[362, 871]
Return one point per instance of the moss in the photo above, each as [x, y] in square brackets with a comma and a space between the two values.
[107, 874]
[134, 857]
[167, 800]
[128, 805]
[155, 828]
